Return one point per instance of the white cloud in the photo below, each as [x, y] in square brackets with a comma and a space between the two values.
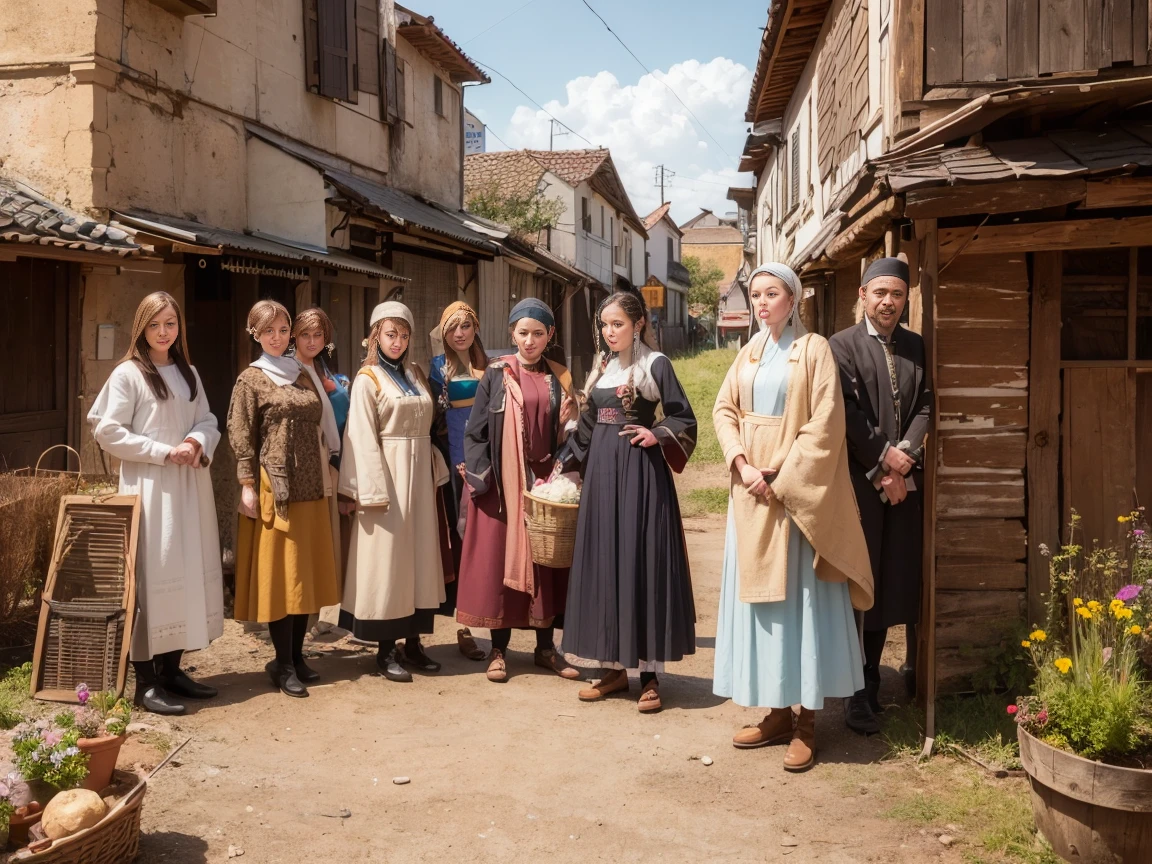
[644, 125]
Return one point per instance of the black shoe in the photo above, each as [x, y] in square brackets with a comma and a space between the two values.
[390, 665]
[909, 673]
[182, 685]
[415, 657]
[285, 678]
[872, 692]
[305, 672]
[858, 715]
[157, 700]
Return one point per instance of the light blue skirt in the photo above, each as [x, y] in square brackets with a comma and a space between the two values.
[799, 650]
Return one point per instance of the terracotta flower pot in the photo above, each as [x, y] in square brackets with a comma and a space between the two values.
[19, 825]
[1090, 812]
[102, 755]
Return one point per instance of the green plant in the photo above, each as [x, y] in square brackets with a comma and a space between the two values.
[48, 753]
[101, 713]
[708, 500]
[701, 376]
[6, 808]
[14, 689]
[704, 282]
[524, 214]
[1007, 669]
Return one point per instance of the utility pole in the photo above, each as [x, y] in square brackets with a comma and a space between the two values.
[555, 130]
[663, 175]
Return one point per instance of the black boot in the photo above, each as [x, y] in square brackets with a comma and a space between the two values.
[872, 689]
[415, 657]
[388, 659]
[150, 695]
[858, 714]
[299, 630]
[283, 675]
[177, 681]
[305, 672]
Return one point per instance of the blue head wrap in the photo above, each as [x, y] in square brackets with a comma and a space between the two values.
[532, 308]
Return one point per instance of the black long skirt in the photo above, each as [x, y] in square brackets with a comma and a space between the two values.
[630, 589]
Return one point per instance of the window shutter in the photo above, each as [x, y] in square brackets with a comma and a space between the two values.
[402, 76]
[671, 251]
[390, 70]
[367, 45]
[311, 46]
[795, 199]
[337, 42]
[438, 94]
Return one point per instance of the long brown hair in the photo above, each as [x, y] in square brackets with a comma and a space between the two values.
[317, 318]
[477, 358]
[138, 350]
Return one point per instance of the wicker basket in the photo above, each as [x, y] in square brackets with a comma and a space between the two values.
[113, 840]
[551, 530]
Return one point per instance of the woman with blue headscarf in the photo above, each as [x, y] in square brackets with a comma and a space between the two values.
[795, 560]
[519, 419]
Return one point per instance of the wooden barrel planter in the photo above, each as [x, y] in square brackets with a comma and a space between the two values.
[1090, 812]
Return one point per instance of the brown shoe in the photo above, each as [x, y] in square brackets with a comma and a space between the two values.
[801, 753]
[551, 660]
[468, 646]
[649, 698]
[614, 681]
[497, 669]
[775, 728]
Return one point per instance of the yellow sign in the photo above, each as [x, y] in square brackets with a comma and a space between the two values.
[653, 293]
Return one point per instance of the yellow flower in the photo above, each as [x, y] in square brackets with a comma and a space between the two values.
[1084, 613]
[1038, 636]
[1135, 630]
[1115, 603]
[1122, 613]
[1025, 644]
[1076, 601]
[1123, 519]
[1063, 664]
[1094, 606]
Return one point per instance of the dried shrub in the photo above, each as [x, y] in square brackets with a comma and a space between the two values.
[28, 510]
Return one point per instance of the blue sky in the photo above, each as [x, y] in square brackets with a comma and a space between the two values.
[559, 53]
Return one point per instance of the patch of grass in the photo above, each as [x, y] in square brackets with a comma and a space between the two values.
[701, 376]
[161, 741]
[14, 698]
[712, 499]
[994, 817]
[978, 724]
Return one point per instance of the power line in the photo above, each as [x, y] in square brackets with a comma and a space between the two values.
[533, 101]
[661, 80]
[663, 176]
[497, 137]
[498, 23]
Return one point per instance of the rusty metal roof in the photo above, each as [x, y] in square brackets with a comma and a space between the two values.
[28, 217]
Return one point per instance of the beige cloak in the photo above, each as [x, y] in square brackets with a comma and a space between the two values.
[807, 448]
[390, 468]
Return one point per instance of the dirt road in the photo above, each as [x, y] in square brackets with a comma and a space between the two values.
[516, 772]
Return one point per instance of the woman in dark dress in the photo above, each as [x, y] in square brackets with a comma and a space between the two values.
[630, 594]
[523, 405]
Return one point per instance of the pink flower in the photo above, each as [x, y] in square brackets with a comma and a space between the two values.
[1042, 717]
[1129, 592]
[51, 737]
[1012, 709]
[1138, 532]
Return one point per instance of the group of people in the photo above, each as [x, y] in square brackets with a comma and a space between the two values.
[423, 477]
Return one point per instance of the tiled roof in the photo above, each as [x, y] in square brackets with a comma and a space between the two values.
[28, 217]
[571, 166]
[720, 234]
[656, 215]
[513, 172]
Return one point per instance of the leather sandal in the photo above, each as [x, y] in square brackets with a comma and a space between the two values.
[497, 668]
[775, 728]
[468, 646]
[549, 659]
[615, 681]
[649, 698]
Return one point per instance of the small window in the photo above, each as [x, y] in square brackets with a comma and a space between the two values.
[671, 250]
[601, 221]
[795, 196]
[585, 216]
[438, 94]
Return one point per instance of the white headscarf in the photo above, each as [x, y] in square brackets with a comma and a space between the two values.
[788, 276]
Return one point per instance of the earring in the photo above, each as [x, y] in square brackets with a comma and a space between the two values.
[635, 344]
[330, 348]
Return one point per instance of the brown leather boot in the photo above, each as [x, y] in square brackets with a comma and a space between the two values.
[775, 728]
[801, 753]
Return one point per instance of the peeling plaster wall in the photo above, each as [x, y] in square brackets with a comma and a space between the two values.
[433, 172]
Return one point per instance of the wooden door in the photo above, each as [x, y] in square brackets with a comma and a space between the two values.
[1099, 450]
[34, 329]
[209, 311]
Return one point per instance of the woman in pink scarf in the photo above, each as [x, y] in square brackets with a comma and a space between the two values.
[523, 405]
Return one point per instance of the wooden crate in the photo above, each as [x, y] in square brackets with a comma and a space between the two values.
[89, 598]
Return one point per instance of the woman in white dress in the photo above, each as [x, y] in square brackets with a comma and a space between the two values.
[153, 416]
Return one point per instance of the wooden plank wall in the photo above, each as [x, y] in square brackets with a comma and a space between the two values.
[842, 106]
[970, 41]
[982, 333]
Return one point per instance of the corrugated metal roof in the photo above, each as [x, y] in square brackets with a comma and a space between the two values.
[402, 208]
[224, 238]
[28, 217]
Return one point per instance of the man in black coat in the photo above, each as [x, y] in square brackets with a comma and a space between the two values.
[888, 409]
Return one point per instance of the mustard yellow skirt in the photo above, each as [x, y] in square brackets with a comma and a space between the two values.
[280, 572]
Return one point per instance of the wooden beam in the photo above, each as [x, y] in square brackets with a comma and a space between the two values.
[1045, 236]
[1118, 192]
[908, 51]
[857, 237]
[926, 633]
[1043, 453]
[1011, 197]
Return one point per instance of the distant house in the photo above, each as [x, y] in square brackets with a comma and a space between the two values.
[664, 265]
[714, 240]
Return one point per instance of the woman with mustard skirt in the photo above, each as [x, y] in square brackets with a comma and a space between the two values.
[285, 567]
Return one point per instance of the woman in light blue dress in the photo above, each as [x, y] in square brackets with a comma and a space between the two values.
[780, 420]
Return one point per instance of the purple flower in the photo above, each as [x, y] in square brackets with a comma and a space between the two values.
[1128, 592]
[1137, 532]
[83, 695]
[51, 737]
